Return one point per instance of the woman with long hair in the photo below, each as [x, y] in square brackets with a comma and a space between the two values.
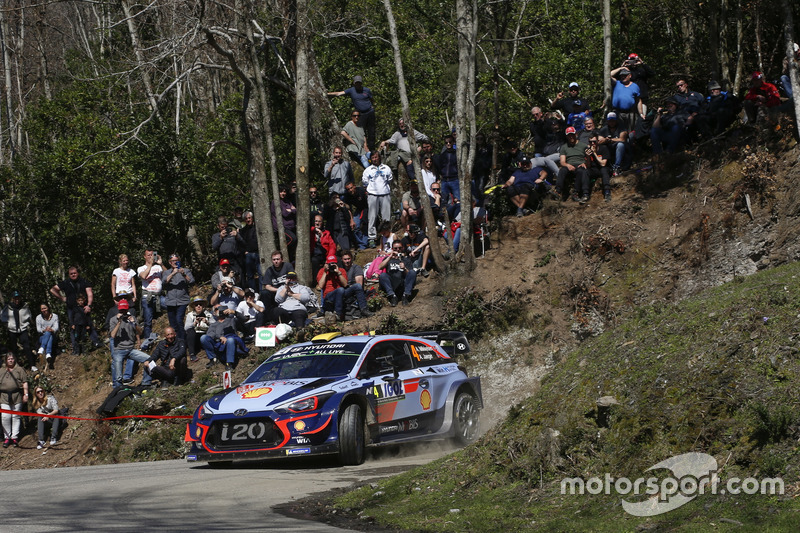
[47, 326]
[45, 404]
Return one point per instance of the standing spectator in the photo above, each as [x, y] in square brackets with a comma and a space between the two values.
[289, 216]
[399, 139]
[196, 325]
[176, 283]
[229, 244]
[356, 200]
[640, 75]
[376, 180]
[237, 220]
[762, 95]
[597, 165]
[46, 405]
[338, 172]
[251, 257]
[82, 327]
[150, 274]
[13, 396]
[573, 165]
[321, 241]
[292, 299]
[565, 104]
[47, 326]
[315, 204]
[787, 65]
[362, 102]
[356, 140]
[67, 291]
[126, 337]
[122, 278]
[448, 170]
[482, 167]
[539, 129]
[429, 176]
[399, 275]
[626, 98]
[339, 221]
[18, 319]
[578, 116]
[130, 365]
[171, 353]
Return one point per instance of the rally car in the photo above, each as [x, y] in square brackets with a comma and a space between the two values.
[338, 396]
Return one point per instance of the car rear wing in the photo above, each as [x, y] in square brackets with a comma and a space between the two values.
[454, 342]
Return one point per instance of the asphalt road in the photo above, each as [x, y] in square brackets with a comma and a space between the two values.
[181, 496]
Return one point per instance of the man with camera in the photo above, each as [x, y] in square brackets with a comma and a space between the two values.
[338, 172]
[221, 338]
[150, 274]
[292, 298]
[418, 248]
[126, 337]
[229, 244]
[668, 128]
[331, 281]
[227, 295]
[399, 274]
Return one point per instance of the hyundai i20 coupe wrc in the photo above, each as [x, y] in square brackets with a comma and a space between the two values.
[339, 395]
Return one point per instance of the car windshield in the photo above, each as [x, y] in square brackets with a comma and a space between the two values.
[311, 361]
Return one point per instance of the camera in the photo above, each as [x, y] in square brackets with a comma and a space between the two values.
[331, 267]
[231, 228]
[178, 265]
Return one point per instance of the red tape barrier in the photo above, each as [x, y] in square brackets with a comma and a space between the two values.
[158, 417]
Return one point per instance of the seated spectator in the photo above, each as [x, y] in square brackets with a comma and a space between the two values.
[17, 318]
[689, 102]
[418, 248]
[554, 140]
[523, 182]
[176, 282]
[171, 354]
[538, 128]
[573, 166]
[578, 115]
[566, 104]
[228, 295]
[481, 237]
[82, 326]
[339, 222]
[221, 340]
[292, 298]
[47, 326]
[412, 206]
[122, 278]
[356, 200]
[198, 319]
[272, 280]
[720, 111]
[399, 139]
[224, 271]
[386, 237]
[126, 337]
[615, 138]
[597, 165]
[399, 275]
[354, 292]
[588, 131]
[511, 159]
[331, 281]
[668, 128]
[762, 95]
[13, 396]
[249, 315]
[46, 405]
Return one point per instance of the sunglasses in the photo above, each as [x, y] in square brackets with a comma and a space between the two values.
[435, 189]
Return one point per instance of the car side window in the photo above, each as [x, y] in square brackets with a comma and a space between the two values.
[384, 358]
[424, 355]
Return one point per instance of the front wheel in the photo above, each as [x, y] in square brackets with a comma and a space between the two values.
[465, 418]
[352, 443]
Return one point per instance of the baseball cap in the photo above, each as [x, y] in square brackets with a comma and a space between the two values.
[611, 116]
[413, 228]
[292, 275]
[16, 294]
[574, 84]
[524, 160]
[224, 262]
[714, 85]
[199, 300]
[331, 259]
[570, 131]
[633, 56]
[226, 280]
[123, 305]
[757, 76]
[623, 72]
[357, 79]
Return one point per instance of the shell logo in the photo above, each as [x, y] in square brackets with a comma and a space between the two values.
[256, 393]
[425, 400]
[299, 425]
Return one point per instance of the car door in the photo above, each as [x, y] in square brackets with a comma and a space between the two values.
[433, 370]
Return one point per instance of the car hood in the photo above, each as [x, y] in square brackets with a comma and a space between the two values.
[254, 396]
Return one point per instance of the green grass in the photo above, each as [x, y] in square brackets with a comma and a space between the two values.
[715, 374]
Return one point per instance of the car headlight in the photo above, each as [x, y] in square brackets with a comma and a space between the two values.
[203, 412]
[309, 404]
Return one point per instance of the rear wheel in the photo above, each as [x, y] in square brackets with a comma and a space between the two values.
[465, 418]
[352, 443]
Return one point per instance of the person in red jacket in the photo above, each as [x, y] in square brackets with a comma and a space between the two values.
[761, 94]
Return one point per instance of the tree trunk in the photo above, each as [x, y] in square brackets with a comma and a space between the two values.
[737, 78]
[758, 41]
[436, 253]
[4, 42]
[607, 53]
[724, 46]
[133, 32]
[303, 256]
[794, 75]
[713, 39]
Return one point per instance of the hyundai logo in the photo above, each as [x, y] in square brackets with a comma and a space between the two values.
[240, 412]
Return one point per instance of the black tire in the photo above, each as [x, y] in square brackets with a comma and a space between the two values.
[352, 444]
[465, 418]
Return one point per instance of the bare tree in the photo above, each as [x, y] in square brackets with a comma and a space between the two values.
[794, 75]
[303, 255]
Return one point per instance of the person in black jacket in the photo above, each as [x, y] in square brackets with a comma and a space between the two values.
[171, 354]
[251, 259]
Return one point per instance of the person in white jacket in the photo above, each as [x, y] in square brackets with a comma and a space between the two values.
[376, 180]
